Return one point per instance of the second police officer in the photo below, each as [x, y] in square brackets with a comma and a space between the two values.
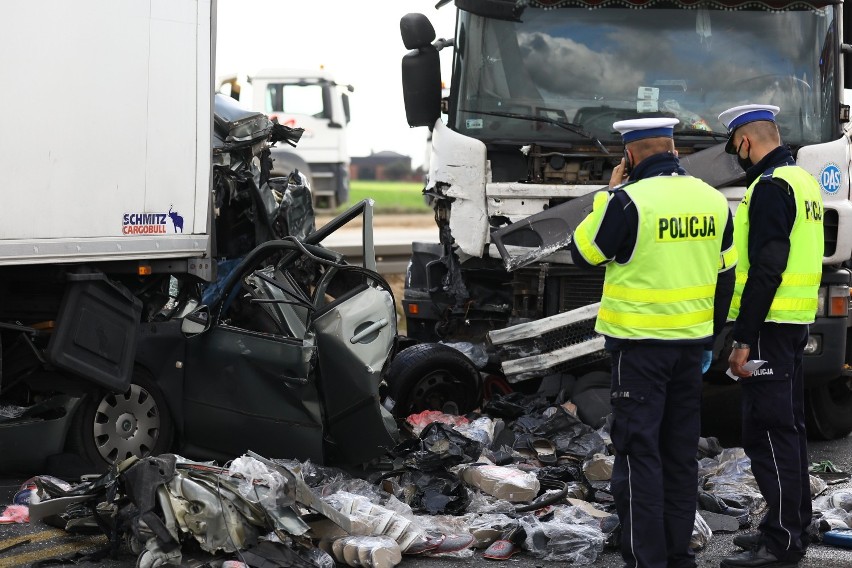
[779, 237]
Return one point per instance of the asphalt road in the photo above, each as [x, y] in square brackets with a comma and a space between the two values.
[46, 542]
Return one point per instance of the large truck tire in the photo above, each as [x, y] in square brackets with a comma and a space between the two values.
[112, 427]
[829, 410]
[427, 376]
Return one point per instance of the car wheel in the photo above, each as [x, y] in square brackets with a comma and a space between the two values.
[427, 376]
[111, 427]
[829, 409]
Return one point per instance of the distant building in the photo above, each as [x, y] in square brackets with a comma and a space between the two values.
[386, 165]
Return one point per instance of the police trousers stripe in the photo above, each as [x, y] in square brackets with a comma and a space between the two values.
[630, 492]
[629, 472]
[780, 493]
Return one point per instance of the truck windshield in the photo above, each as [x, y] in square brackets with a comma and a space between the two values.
[296, 98]
[591, 68]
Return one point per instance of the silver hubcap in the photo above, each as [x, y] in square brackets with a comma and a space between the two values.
[126, 425]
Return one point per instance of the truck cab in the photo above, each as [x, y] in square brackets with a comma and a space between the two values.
[526, 140]
[309, 99]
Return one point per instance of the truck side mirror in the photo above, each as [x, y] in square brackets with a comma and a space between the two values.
[421, 71]
[346, 111]
[846, 53]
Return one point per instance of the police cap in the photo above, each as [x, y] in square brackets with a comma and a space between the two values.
[737, 116]
[639, 128]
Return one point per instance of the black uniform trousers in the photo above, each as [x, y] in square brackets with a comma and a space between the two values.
[656, 404]
[774, 437]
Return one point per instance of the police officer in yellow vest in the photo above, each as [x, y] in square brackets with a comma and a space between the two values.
[666, 239]
[779, 236]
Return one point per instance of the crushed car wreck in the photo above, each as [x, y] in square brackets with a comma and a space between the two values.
[286, 358]
[283, 352]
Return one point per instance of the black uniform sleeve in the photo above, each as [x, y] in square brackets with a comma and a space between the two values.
[724, 282]
[617, 234]
[772, 212]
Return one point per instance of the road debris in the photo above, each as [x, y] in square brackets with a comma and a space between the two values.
[456, 484]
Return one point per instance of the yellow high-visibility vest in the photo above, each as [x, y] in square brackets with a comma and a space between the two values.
[666, 289]
[795, 300]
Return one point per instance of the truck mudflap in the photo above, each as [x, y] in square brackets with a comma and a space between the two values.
[96, 330]
[561, 342]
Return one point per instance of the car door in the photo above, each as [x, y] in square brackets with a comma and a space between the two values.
[249, 379]
[355, 334]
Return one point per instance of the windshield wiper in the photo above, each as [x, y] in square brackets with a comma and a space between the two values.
[570, 126]
[701, 132]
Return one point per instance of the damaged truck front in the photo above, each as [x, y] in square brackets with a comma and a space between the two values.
[528, 140]
[147, 301]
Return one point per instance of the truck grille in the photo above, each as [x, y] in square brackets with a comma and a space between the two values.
[579, 287]
[830, 223]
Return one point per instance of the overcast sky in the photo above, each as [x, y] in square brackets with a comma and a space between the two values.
[358, 41]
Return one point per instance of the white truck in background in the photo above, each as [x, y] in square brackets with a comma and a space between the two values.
[309, 99]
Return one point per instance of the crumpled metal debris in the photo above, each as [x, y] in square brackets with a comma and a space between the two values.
[430, 503]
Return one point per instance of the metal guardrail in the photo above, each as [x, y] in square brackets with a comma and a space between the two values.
[390, 258]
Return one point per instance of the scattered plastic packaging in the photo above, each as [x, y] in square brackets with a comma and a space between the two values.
[732, 479]
[502, 482]
[354, 485]
[481, 430]
[27, 494]
[15, 514]
[839, 499]
[817, 486]
[252, 473]
[486, 528]
[701, 533]
[834, 519]
[369, 519]
[834, 510]
[439, 526]
[441, 447]
[572, 536]
[598, 467]
[488, 504]
[420, 421]
[367, 551]
[435, 492]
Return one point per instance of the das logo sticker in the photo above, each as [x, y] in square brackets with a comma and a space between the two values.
[829, 178]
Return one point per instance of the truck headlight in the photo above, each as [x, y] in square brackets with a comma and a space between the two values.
[814, 345]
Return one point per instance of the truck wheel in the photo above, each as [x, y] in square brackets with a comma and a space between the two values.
[112, 427]
[829, 409]
[429, 375]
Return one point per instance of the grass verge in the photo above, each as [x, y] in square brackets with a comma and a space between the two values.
[389, 196]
